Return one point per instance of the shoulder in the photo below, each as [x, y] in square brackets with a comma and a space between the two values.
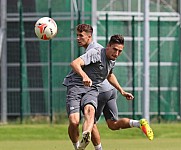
[93, 55]
[94, 44]
[94, 50]
[98, 45]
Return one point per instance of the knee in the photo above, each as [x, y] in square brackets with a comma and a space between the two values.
[74, 124]
[74, 121]
[89, 109]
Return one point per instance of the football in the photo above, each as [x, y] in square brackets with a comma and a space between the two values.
[45, 28]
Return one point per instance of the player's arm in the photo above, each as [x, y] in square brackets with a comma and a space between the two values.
[77, 67]
[114, 82]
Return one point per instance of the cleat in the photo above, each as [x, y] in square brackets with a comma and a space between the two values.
[86, 137]
[146, 129]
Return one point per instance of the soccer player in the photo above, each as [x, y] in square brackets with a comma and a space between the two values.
[107, 96]
[84, 39]
[91, 69]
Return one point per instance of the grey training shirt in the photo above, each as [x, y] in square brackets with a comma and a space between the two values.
[105, 85]
[97, 67]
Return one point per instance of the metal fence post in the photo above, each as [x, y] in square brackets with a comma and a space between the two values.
[133, 65]
[3, 62]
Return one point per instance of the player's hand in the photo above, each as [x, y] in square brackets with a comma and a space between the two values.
[87, 81]
[128, 96]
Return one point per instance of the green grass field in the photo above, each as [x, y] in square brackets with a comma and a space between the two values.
[55, 137]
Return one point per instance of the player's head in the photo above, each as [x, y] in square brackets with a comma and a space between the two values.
[115, 47]
[84, 34]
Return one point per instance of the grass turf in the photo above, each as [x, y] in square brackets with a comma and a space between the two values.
[55, 137]
[111, 144]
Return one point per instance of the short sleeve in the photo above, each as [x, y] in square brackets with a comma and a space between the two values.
[91, 56]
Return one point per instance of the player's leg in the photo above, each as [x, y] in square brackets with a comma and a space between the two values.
[88, 105]
[110, 112]
[95, 138]
[125, 123]
[122, 123]
[73, 129]
[111, 115]
[102, 101]
[89, 113]
[73, 111]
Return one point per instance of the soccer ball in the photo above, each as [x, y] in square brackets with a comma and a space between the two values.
[45, 28]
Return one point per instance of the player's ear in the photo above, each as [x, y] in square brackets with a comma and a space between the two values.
[108, 45]
[89, 35]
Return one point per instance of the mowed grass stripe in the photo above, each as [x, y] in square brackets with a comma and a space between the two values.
[59, 132]
[108, 144]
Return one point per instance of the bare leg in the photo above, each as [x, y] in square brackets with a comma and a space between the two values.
[119, 124]
[89, 113]
[96, 140]
[73, 128]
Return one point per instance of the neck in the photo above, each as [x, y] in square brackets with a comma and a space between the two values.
[85, 46]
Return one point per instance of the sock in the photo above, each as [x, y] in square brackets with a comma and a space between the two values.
[134, 123]
[76, 145]
[98, 147]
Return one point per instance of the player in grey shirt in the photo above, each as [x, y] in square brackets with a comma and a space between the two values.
[106, 99]
[91, 69]
[107, 104]
[84, 39]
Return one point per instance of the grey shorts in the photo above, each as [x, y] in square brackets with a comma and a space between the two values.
[79, 96]
[107, 105]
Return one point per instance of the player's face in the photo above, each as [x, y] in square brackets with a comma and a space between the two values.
[113, 51]
[83, 39]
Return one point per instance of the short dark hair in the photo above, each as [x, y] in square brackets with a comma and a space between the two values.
[85, 27]
[116, 39]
